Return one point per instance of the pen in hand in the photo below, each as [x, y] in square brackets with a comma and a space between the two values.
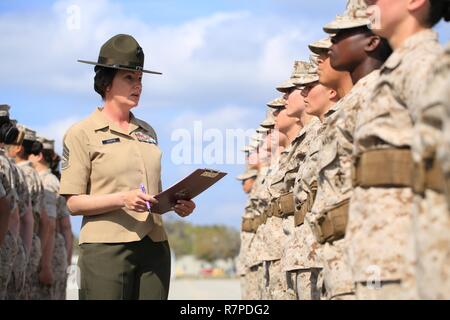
[146, 202]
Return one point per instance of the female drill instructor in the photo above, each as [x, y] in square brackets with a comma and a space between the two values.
[124, 253]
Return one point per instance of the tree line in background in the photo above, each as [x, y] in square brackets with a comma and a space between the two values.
[204, 242]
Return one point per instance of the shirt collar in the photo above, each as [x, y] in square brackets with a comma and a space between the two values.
[419, 39]
[101, 122]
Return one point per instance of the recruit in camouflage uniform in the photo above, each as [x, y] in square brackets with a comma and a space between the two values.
[302, 252]
[60, 253]
[329, 214]
[36, 191]
[431, 216]
[17, 280]
[8, 249]
[246, 236]
[380, 231]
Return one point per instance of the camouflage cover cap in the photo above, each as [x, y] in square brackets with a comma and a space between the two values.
[320, 46]
[310, 75]
[251, 173]
[298, 69]
[258, 137]
[247, 149]
[269, 121]
[121, 52]
[262, 129]
[28, 133]
[354, 16]
[277, 103]
[254, 144]
[46, 143]
[4, 110]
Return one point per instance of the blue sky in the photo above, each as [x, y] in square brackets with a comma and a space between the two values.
[221, 60]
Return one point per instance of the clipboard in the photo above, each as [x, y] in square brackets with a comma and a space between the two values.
[187, 189]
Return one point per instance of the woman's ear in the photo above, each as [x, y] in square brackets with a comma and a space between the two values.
[333, 95]
[414, 5]
[372, 43]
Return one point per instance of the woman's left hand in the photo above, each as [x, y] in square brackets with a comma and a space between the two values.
[184, 208]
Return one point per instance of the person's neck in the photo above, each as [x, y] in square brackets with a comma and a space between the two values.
[305, 119]
[116, 113]
[344, 85]
[366, 67]
[292, 133]
[39, 167]
[326, 109]
[404, 31]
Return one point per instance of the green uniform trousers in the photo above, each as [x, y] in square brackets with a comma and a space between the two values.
[124, 271]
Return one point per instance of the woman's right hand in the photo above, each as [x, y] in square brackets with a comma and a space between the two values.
[136, 200]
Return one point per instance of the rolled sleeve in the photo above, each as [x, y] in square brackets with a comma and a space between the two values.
[76, 164]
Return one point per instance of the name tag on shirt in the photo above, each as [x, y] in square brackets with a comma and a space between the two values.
[110, 141]
[142, 137]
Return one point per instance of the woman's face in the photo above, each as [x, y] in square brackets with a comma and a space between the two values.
[327, 75]
[387, 15]
[295, 103]
[126, 88]
[317, 99]
[283, 122]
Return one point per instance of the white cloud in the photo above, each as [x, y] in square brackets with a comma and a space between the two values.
[225, 54]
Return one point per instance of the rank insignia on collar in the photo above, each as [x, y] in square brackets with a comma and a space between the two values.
[142, 137]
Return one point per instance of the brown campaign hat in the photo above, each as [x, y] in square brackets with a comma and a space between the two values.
[121, 52]
[354, 16]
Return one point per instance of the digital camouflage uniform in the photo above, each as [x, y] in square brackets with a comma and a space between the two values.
[303, 249]
[36, 191]
[379, 231]
[431, 215]
[8, 250]
[335, 188]
[51, 188]
[17, 280]
[246, 237]
[253, 259]
[273, 236]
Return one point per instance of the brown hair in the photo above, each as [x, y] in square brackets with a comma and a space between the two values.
[439, 9]
[103, 78]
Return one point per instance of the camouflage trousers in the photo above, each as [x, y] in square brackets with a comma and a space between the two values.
[8, 253]
[386, 290]
[275, 282]
[59, 269]
[431, 223]
[337, 276]
[254, 279]
[31, 290]
[307, 283]
[17, 281]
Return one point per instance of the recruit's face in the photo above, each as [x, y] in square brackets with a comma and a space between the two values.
[283, 122]
[348, 49]
[328, 76]
[295, 103]
[317, 99]
[387, 15]
[126, 88]
[247, 185]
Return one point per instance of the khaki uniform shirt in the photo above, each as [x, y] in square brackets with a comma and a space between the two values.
[379, 228]
[51, 189]
[100, 158]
